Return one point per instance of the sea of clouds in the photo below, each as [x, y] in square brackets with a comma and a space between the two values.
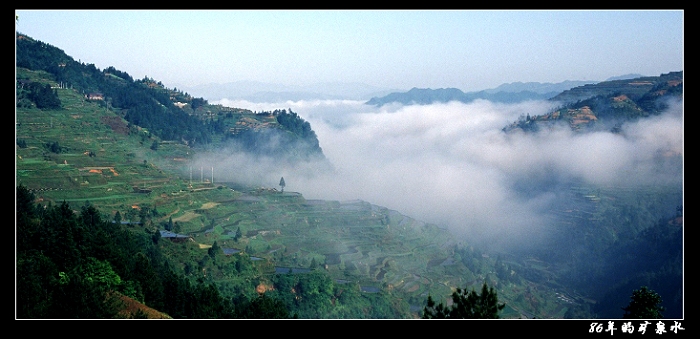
[451, 164]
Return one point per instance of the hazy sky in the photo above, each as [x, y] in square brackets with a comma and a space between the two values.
[469, 50]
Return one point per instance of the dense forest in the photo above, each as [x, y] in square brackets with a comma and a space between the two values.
[76, 265]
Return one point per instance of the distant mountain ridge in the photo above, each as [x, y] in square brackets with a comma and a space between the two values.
[539, 87]
[625, 77]
[566, 92]
[505, 93]
[255, 91]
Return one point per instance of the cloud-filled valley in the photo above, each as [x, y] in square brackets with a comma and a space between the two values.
[451, 164]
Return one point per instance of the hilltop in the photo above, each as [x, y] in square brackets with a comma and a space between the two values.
[609, 104]
[161, 113]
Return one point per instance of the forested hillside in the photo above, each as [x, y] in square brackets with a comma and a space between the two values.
[168, 114]
[78, 265]
[607, 105]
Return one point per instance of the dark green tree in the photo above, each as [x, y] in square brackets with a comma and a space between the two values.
[214, 250]
[435, 311]
[117, 218]
[645, 304]
[54, 147]
[43, 96]
[282, 184]
[99, 272]
[466, 305]
[169, 225]
[262, 307]
[27, 226]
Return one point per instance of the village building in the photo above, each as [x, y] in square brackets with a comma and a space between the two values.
[174, 236]
[94, 96]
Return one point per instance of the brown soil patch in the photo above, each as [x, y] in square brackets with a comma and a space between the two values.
[414, 287]
[209, 205]
[116, 124]
[262, 288]
[132, 306]
[186, 217]
[99, 170]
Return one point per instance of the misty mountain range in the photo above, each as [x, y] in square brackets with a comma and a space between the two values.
[258, 92]
[255, 91]
[506, 93]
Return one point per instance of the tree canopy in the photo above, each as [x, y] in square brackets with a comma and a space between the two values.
[644, 304]
[466, 305]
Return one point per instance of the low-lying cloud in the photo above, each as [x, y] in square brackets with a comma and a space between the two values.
[451, 164]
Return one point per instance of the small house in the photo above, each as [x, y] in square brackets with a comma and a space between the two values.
[174, 236]
[230, 251]
[94, 96]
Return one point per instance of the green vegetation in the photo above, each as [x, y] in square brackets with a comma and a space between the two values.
[34, 94]
[68, 264]
[466, 305]
[97, 180]
[160, 113]
[607, 105]
[644, 304]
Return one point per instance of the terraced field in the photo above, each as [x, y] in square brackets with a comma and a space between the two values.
[354, 240]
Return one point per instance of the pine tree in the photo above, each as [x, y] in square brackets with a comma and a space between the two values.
[645, 304]
[466, 305]
[214, 250]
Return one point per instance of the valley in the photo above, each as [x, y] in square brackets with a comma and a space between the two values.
[363, 260]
